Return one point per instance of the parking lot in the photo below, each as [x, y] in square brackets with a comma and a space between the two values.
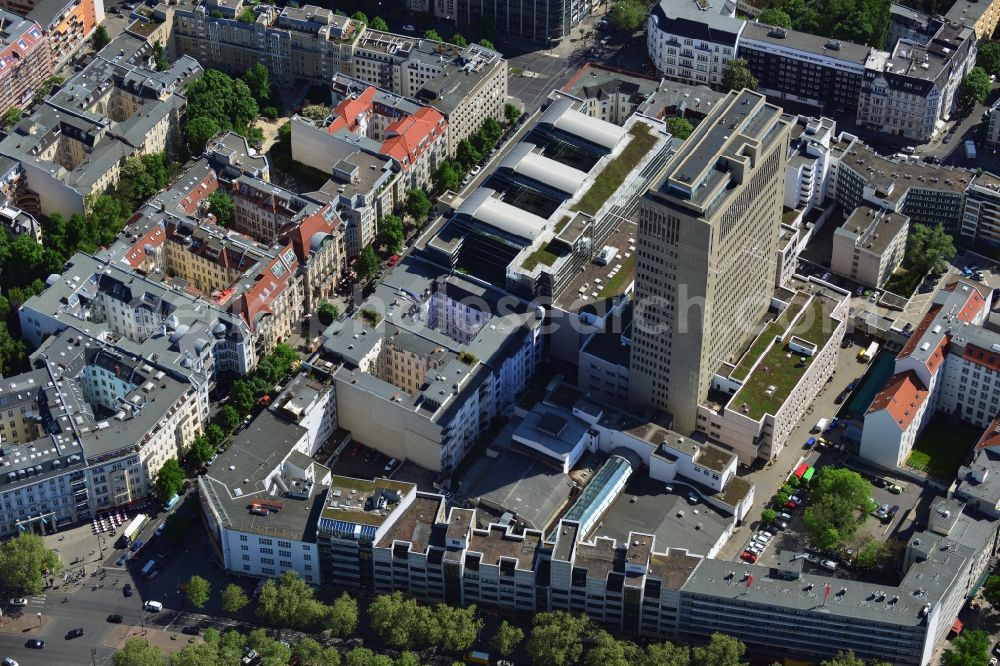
[789, 533]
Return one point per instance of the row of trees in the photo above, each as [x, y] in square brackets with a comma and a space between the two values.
[557, 638]
[218, 649]
[471, 151]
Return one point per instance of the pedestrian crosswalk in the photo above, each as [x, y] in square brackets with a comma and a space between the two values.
[37, 600]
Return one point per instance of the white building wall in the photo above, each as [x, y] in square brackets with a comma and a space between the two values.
[269, 557]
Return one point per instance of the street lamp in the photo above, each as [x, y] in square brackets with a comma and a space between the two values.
[39, 618]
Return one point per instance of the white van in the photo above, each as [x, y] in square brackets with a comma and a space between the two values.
[153, 606]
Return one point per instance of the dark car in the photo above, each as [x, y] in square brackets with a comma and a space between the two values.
[127, 590]
[35, 643]
[115, 619]
[74, 633]
[191, 631]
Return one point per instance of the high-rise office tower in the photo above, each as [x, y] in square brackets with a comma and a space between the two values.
[708, 233]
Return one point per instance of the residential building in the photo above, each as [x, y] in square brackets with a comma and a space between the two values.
[756, 401]
[908, 23]
[707, 242]
[294, 43]
[106, 299]
[263, 209]
[981, 17]
[66, 24]
[319, 243]
[803, 68]
[912, 90]
[26, 60]
[466, 85]
[609, 94]
[363, 186]
[977, 482]
[981, 216]
[948, 365]
[73, 146]
[412, 135]
[807, 175]
[673, 98]
[260, 501]
[869, 245]
[692, 40]
[386, 536]
[924, 193]
[87, 429]
[993, 125]
[429, 361]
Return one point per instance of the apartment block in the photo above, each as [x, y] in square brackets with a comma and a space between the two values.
[429, 361]
[105, 298]
[411, 135]
[803, 68]
[981, 17]
[706, 246]
[84, 432]
[692, 40]
[981, 216]
[926, 194]
[869, 245]
[610, 94]
[911, 90]
[25, 60]
[385, 536]
[294, 43]
[66, 24]
[260, 499]
[466, 85]
[75, 143]
[948, 365]
[755, 402]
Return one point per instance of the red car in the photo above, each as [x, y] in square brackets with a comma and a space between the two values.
[791, 504]
[749, 557]
[393, 260]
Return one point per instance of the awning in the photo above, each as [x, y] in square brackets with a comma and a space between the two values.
[956, 626]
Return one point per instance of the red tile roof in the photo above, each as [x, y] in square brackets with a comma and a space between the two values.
[348, 110]
[991, 437]
[153, 238]
[301, 234]
[410, 137]
[902, 397]
[198, 193]
[919, 331]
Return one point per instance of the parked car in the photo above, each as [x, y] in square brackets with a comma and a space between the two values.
[115, 619]
[153, 606]
[811, 442]
[127, 590]
[409, 28]
[829, 565]
[18, 602]
[748, 556]
[784, 516]
[882, 511]
[10, 662]
[894, 489]
[191, 631]
[393, 260]
[874, 297]
[391, 465]
[879, 482]
[692, 498]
